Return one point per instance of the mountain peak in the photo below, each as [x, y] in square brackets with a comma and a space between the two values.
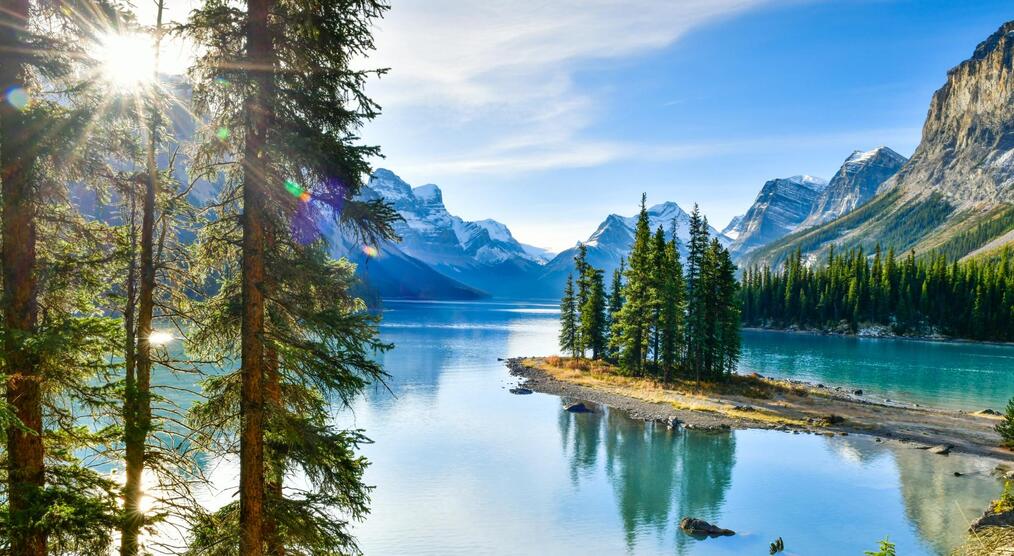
[859, 157]
[810, 181]
[429, 194]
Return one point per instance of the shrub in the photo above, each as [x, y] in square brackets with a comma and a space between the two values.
[886, 549]
[1006, 427]
[1006, 501]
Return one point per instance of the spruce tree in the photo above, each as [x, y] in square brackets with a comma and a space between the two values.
[569, 319]
[582, 273]
[697, 310]
[283, 79]
[593, 315]
[613, 311]
[673, 303]
[56, 347]
[635, 315]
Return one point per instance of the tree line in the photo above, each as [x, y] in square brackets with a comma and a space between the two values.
[915, 295]
[117, 275]
[660, 318]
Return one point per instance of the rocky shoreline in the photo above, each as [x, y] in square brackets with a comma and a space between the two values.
[819, 409]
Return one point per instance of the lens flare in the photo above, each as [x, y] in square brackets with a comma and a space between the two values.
[370, 251]
[17, 97]
[222, 133]
[297, 191]
[160, 338]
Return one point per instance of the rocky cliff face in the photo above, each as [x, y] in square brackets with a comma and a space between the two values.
[959, 181]
[781, 206]
[967, 148]
[855, 183]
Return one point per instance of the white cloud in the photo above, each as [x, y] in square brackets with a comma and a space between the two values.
[581, 154]
[488, 86]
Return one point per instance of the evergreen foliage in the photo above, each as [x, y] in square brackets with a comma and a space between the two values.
[967, 299]
[645, 326]
[1005, 428]
[569, 319]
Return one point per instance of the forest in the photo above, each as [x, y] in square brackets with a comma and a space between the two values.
[930, 295]
[135, 262]
[658, 319]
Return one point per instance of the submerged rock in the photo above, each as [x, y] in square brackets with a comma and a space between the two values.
[578, 407]
[520, 391]
[699, 527]
[941, 449]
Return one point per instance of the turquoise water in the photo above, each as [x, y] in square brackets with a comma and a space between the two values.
[953, 375]
[461, 466]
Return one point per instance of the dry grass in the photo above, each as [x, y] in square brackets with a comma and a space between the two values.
[991, 541]
[750, 386]
[681, 394]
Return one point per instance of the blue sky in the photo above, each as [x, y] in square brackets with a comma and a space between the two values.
[548, 116]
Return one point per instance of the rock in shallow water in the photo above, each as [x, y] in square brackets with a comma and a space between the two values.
[700, 528]
[578, 407]
[520, 390]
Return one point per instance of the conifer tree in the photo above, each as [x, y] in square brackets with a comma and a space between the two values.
[613, 311]
[697, 311]
[569, 319]
[673, 310]
[56, 346]
[593, 315]
[635, 315]
[583, 287]
[282, 78]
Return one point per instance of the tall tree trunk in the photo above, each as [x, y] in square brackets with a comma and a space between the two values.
[276, 465]
[255, 170]
[25, 451]
[130, 381]
[139, 418]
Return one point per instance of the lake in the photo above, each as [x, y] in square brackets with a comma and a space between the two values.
[461, 466]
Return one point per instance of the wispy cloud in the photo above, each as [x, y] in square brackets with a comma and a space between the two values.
[583, 154]
[489, 86]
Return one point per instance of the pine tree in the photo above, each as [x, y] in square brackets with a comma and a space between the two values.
[613, 311]
[582, 282]
[281, 77]
[673, 306]
[56, 349]
[569, 319]
[697, 299]
[593, 315]
[635, 315]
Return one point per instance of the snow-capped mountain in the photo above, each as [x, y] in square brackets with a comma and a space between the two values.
[780, 208]
[483, 255]
[734, 227]
[958, 182]
[855, 183]
[612, 241]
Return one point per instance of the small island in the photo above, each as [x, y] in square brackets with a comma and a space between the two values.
[754, 401]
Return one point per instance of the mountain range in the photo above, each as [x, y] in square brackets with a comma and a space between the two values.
[954, 196]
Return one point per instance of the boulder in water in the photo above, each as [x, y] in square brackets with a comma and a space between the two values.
[700, 528]
[520, 390]
[578, 407]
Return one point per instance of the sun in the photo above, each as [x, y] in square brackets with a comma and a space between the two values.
[126, 60]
